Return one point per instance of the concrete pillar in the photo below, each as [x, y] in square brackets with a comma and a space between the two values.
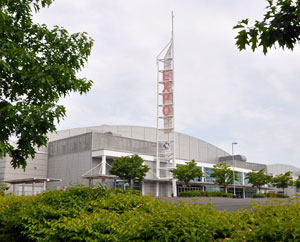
[33, 188]
[14, 189]
[90, 181]
[169, 189]
[174, 187]
[143, 188]
[157, 189]
[103, 165]
[244, 192]
[203, 177]
[44, 187]
[243, 178]
[23, 190]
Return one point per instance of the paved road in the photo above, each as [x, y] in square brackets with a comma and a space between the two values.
[221, 203]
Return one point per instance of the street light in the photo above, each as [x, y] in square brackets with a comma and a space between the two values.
[233, 165]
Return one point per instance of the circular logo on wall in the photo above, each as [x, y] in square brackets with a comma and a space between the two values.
[166, 146]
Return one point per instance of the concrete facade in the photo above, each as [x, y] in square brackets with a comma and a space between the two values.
[37, 167]
[277, 169]
[80, 153]
[83, 149]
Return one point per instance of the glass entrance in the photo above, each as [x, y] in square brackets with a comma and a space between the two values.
[238, 192]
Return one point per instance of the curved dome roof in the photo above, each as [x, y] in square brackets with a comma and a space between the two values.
[187, 147]
[277, 169]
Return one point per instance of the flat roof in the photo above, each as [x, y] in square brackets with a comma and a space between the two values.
[31, 180]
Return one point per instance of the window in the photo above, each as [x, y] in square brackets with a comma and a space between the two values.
[198, 179]
[207, 173]
[240, 176]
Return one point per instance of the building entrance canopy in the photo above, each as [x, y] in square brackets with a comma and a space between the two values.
[31, 181]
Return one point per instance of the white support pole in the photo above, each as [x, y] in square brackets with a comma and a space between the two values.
[243, 178]
[233, 165]
[33, 188]
[157, 124]
[23, 189]
[174, 186]
[157, 189]
[14, 189]
[44, 187]
[143, 188]
[103, 170]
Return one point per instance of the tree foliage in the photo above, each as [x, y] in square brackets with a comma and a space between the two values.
[279, 27]
[187, 172]
[258, 178]
[37, 66]
[129, 168]
[297, 182]
[283, 180]
[97, 214]
[223, 175]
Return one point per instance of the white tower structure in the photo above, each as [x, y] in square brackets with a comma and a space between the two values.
[165, 136]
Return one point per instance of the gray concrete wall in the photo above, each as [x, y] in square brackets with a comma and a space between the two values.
[2, 167]
[150, 188]
[117, 143]
[152, 166]
[187, 147]
[163, 189]
[245, 165]
[277, 169]
[70, 145]
[69, 167]
[36, 167]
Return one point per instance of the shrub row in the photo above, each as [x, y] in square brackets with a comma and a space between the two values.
[197, 193]
[270, 195]
[96, 214]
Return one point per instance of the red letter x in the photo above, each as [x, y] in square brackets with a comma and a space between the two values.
[166, 87]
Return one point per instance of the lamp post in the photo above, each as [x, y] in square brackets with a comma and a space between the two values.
[233, 165]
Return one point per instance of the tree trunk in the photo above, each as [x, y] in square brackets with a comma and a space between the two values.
[225, 189]
[186, 186]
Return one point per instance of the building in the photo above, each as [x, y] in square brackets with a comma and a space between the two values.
[84, 156]
[277, 169]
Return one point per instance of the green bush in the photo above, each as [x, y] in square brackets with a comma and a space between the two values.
[128, 191]
[282, 195]
[270, 195]
[197, 193]
[96, 214]
[277, 195]
[259, 195]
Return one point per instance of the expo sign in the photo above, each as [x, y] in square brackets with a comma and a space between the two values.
[167, 94]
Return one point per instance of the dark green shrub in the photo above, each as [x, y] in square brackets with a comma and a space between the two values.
[128, 191]
[197, 193]
[259, 195]
[277, 195]
[88, 214]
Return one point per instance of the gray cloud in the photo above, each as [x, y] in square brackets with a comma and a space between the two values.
[222, 95]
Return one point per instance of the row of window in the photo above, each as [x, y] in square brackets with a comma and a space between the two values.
[207, 178]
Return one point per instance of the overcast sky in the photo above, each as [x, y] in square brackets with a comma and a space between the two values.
[221, 95]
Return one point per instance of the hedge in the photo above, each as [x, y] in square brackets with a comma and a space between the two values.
[96, 214]
[270, 195]
[197, 193]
